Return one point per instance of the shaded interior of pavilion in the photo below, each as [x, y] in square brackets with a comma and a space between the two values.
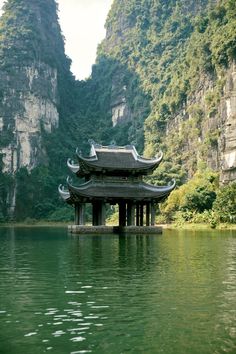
[129, 213]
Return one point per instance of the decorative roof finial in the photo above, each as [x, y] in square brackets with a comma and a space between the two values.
[113, 143]
[91, 142]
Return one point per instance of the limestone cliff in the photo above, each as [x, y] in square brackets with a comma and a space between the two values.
[31, 59]
[227, 112]
[183, 56]
[35, 81]
[205, 129]
[25, 111]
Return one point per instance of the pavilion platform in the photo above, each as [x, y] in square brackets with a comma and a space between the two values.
[102, 229]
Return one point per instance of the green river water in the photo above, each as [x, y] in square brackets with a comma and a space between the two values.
[173, 293]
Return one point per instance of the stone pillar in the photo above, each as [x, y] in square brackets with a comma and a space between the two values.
[76, 213]
[99, 213]
[122, 214]
[141, 214]
[130, 214]
[148, 214]
[79, 214]
[103, 213]
[153, 213]
[95, 214]
[137, 214]
[81, 208]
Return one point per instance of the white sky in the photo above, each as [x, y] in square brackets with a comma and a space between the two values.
[82, 23]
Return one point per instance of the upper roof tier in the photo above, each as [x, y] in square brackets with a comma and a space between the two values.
[113, 160]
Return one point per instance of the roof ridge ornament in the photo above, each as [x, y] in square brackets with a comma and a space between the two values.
[91, 142]
[94, 144]
[130, 147]
[113, 143]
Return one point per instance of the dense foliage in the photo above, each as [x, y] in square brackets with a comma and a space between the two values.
[29, 31]
[194, 197]
[225, 203]
[201, 200]
[170, 45]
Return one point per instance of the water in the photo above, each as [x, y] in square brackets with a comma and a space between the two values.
[174, 293]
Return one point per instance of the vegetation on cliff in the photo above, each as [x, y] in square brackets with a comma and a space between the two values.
[29, 31]
[31, 41]
[175, 47]
[170, 45]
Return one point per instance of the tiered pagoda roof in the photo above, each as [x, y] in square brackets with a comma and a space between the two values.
[113, 173]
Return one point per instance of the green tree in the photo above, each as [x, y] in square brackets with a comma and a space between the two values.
[225, 203]
[195, 196]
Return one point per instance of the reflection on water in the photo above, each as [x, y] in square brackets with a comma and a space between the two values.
[174, 293]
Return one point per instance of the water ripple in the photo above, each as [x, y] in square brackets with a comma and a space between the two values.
[173, 294]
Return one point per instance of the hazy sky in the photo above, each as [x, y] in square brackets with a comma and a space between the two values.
[82, 23]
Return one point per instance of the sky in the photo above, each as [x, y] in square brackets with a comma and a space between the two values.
[82, 23]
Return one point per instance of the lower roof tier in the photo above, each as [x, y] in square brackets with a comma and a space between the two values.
[114, 192]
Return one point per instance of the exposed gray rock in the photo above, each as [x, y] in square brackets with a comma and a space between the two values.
[214, 138]
[120, 110]
[227, 112]
[28, 106]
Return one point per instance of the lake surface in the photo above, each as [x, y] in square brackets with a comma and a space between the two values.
[171, 293]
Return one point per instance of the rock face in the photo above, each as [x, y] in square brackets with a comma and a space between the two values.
[208, 133]
[120, 110]
[32, 58]
[227, 112]
[186, 68]
[35, 79]
[27, 108]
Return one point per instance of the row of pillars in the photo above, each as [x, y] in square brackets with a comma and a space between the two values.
[136, 214]
[130, 213]
[99, 213]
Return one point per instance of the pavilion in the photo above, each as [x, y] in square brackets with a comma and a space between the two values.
[114, 175]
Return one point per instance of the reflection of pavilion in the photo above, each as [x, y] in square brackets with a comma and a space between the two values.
[113, 175]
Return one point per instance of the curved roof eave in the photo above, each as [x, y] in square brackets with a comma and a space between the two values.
[65, 195]
[74, 168]
[80, 187]
[86, 159]
[164, 189]
[152, 161]
[157, 192]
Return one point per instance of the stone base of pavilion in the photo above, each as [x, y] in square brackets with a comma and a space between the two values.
[102, 229]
